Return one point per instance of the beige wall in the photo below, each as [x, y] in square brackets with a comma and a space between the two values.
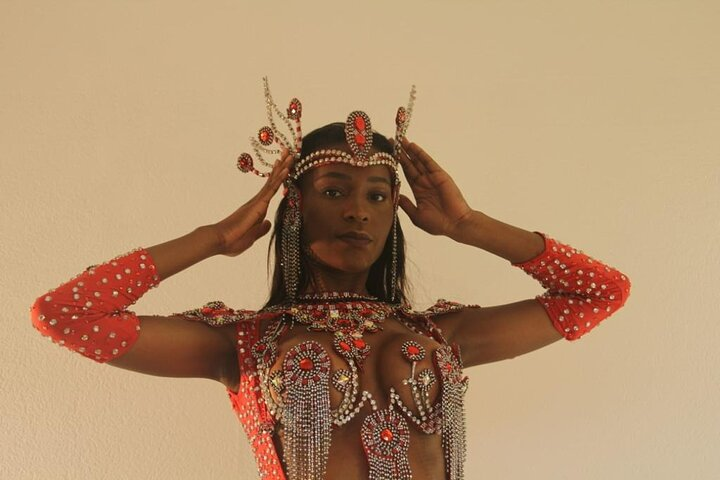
[596, 122]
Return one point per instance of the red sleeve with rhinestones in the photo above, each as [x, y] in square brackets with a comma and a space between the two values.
[581, 291]
[88, 314]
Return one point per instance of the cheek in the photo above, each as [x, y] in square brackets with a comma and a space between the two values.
[314, 226]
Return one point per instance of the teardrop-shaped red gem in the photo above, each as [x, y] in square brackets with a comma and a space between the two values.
[413, 350]
[360, 123]
[360, 139]
[306, 364]
[386, 435]
[344, 346]
[400, 117]
[359, 343]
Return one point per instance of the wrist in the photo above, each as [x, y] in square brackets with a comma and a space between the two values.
[210, 240]
[469, 229]
[507, 241]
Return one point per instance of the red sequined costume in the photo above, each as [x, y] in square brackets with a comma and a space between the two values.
[89, 314]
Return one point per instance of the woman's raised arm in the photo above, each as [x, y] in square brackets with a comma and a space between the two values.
[89, 313]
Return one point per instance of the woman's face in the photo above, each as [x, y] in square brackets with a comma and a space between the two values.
[347, 214]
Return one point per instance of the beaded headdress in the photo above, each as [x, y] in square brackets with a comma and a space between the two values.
[271, 140]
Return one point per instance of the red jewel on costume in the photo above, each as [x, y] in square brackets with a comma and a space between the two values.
[413, 351]
[306, 364]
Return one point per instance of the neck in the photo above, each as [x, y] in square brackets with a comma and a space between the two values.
[322, 280]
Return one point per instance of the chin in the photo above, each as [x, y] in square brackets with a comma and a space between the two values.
[348, 262]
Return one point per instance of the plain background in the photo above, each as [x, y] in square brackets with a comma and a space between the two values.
[595, 122]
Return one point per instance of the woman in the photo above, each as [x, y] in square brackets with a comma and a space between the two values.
[337, 377]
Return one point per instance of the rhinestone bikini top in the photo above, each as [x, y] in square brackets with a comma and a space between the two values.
[296, 396]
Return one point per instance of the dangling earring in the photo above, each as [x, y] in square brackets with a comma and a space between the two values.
[393, 267]
[290, 245]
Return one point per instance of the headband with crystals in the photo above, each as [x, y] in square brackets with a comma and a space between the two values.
[358, 134]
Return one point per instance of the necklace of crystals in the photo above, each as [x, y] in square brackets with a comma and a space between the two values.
[348, 318]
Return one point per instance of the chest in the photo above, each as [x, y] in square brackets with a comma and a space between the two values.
[392, 364]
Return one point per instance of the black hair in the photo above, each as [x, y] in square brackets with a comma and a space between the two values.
[379, 281]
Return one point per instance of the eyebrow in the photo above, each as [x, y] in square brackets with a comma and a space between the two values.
[343, 176]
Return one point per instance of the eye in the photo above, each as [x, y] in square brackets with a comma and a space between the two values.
[378, 197]
[332, 192]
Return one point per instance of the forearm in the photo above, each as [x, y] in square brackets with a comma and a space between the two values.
[176, 255]
[580, 291]
[511, 243]
[89, 313]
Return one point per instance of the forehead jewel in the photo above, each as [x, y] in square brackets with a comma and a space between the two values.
[271, 139]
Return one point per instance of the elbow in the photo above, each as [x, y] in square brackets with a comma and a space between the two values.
[623, 290]
[42, 317]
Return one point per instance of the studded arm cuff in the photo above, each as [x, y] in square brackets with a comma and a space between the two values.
[580, 290]
[88, 314]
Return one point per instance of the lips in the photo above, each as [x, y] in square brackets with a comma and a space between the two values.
[360, 239]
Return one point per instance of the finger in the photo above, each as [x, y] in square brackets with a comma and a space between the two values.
[408, 207]
[266, 188]
[412, 155]
[411, 172]
[425, 162]
[278, 174]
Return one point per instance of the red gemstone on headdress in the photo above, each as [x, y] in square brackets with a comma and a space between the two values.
[359, 343]
[401, 117]
[360, 139]
[306, 364]
[360, 123]
[386, 435]
[413, 350]
[266, 136]
[294, 111]
[245, 163]
[344, 346]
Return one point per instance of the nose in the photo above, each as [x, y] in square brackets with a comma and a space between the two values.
[356, 210]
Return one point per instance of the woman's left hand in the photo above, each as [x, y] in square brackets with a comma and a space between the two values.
[440, 207]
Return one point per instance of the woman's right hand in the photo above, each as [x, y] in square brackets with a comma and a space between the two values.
[238, 232]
